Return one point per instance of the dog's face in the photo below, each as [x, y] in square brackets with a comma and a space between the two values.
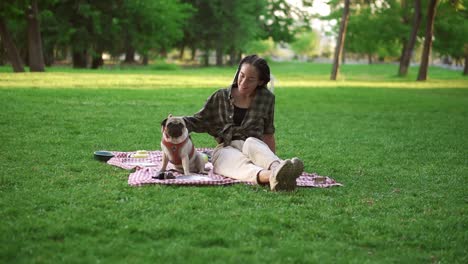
[173, 126]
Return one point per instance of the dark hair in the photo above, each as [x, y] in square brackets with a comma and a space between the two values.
[260, 64]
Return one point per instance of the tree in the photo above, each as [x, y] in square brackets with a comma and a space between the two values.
[229, 26]
[451, 25]
[306, 44]
[85, 28]
[36, 57]
[11, 21]
[232, 31]
[431, 13]
[408, 46]
[151, 24]
[24, 17]
[282, 21]
[11, 50]
[465, 70]
[81, 18]
[90, 28]
[261, 47]
[223, 26]
[340, 41]
[368, 31]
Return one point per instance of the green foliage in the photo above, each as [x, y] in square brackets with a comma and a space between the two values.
[376, 30]
[451, 31]
[235, 25]
[13, 13]
[223, 25]
[261, 47]
[400, 153]
[306, 43]
[12, 9]
[282, 21]
[92, 27]
[152, 24]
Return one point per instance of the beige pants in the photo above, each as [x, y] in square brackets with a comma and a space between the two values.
[243, 160]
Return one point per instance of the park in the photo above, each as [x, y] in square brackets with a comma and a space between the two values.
[397, 144]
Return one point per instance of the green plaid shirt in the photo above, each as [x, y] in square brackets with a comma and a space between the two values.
[216, 117]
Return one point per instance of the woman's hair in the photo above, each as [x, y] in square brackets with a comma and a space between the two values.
[260, 64]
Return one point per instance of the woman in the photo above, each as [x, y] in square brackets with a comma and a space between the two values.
[240, 118]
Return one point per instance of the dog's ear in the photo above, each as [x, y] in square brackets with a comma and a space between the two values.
[163, 123]
[169, 116]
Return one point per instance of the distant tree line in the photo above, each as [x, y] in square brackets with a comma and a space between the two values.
[393, 28]
[37, 32]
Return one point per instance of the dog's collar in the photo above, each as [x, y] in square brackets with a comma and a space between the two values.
[175, 151]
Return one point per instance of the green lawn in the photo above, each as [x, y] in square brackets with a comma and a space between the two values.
[400, 148]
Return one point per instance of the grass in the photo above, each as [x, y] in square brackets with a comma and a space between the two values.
[287, 75]
[400, 153]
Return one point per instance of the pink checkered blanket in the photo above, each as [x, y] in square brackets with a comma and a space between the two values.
[147, 168]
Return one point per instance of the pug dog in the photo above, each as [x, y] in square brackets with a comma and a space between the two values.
[178, 148]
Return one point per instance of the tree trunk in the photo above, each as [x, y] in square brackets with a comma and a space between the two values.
[2, 52]
[369, 58]
[36, 57]
[232, 57]
[405, 22]
[145, 59]
[194, 53]
[408, 47]
[11, 50]
[49, 56]
[404, 41]
[431, 13]
[97, 61]
[219, 56]
[79, 59]
[182, 52]
[340, 41]
[129, 55]
[343, 56]
[206, 58]
[465, 70]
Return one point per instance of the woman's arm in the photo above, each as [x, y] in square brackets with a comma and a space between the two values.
[201, 121]
[269, 129]
[269, 139]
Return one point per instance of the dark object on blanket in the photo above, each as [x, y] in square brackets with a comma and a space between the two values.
[164, 175]
[103, 155]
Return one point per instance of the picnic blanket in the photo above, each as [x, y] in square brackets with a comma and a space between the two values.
[144, 169]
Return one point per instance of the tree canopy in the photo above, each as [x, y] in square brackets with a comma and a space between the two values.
[85, 29]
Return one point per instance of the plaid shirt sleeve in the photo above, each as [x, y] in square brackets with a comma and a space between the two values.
[270, 117]
[201, 121]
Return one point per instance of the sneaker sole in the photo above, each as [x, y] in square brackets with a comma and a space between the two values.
[298, 166]
[286, 178]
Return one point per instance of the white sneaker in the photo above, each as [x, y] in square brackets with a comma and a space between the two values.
[283, 177]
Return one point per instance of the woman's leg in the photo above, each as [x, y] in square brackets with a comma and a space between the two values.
[259, 153]
[281, 174]
[231, 162]
[237, 162]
